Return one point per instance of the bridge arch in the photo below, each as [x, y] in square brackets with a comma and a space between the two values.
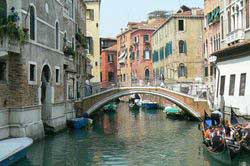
[186, 102]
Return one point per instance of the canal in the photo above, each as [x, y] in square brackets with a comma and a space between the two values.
[126, 138]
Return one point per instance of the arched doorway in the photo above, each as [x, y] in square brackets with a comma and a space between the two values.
[147, 75]
[46, 94]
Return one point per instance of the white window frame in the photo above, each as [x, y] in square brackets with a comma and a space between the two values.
[59, 75]
[35, 74]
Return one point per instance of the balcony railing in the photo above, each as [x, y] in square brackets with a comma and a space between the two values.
[9, 45]
[235, 35]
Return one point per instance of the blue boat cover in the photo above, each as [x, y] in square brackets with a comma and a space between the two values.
[208, 123]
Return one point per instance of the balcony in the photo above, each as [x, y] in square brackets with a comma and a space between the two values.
[235, 35]
[9, 45]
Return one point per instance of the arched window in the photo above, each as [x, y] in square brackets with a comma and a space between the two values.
[147, 74]
[182, 70]
[32, 23]
[182, 47]
[57, 35]
[3, 12]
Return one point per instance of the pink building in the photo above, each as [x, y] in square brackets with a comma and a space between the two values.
[140, 56]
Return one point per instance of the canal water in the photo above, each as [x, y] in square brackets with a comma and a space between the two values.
[145, 137]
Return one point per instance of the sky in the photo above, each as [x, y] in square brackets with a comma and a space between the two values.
[115, 14]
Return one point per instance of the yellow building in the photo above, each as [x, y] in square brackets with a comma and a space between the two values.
[93, 37]
[177, 47]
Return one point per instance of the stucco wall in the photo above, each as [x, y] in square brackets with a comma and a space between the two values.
[235, 66]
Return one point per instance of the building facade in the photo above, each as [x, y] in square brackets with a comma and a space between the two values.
[41, 65]
[93, 40]
[140, 56]
[211, 38]
[107, 42]
[233, 59]
[177, 47]
[127, 47]
[109, 67]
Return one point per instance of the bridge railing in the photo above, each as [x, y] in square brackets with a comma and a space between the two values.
[197, 90]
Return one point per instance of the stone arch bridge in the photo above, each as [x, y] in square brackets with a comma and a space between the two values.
[192, 105]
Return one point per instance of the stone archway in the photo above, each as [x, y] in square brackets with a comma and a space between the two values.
[46, 94]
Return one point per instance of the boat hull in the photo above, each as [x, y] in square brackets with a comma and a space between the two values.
[134, 107]
[150, 106]
[14, 149]
[79, 123]
[225, 156]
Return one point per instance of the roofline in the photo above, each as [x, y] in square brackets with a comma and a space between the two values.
[176, 16]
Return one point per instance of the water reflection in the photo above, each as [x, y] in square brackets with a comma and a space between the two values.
[126, 137]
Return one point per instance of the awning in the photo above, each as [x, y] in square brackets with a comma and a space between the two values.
[122, 55]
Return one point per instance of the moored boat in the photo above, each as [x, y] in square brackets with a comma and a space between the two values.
[13, 149]
[110, 107]
[149, 105]
[173, 112]
[78, 123]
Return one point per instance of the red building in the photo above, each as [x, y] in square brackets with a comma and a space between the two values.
[109, 66]
[140, 55]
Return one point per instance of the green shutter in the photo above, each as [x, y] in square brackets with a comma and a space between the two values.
[185, 46]
[170, 49]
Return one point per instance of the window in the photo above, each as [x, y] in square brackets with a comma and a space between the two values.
[32, 23]
[211, 70]
[32, 73]
[146, 38]
[3, 71]
[111, 76]
[229, 21]
[222, 85]
[132, 56]
[90, 45]
[232, 85]
[222, 27]
[90, 14]
[155, 56]
[3, 12]
[110, 58]
[124, 77]
[147, 74]
[73, 43]
[162, 53]
[57, 75]
[182, 70]
[57, 35]
[182, 47]
[137, 55]
[147, 55]
[206, 71]
[242, 84]
[96, 63]
[136, 39]
[181, 25]
[247, 13]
